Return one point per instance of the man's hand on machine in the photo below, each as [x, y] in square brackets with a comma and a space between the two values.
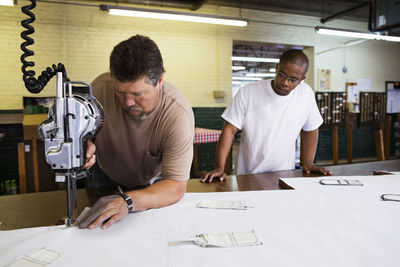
[217, 173]
[90, 155]
[106, 211]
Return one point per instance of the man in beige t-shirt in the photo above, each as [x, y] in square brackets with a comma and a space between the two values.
[147, 135]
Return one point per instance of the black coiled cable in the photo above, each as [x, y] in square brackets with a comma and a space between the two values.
[33, 85]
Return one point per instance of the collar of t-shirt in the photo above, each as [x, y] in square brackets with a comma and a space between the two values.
[273, 94]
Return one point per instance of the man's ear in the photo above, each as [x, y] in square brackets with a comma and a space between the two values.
[161, 78]
[304, 77]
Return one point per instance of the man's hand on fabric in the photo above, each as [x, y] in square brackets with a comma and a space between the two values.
[90, 155]
[310, 167]
[217, 173]
[106, 211]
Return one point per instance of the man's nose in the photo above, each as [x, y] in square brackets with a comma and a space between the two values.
[129, 101]
[286, 82]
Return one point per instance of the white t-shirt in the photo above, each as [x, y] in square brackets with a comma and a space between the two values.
[270, 124]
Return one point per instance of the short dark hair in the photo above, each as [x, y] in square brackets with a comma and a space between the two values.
[135, 57]
[296, 57]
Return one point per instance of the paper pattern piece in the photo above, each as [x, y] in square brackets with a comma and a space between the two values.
[36, 258]
[223, 240]
[222, 204]
[391, 197]
[343, 182]
[227, 240]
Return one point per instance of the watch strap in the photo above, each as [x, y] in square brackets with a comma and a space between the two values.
[127, 199]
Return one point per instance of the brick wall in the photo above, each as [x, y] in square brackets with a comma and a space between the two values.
[197, 56]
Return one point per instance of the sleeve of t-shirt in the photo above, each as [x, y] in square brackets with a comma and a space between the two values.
[236, 111]
[100, 85]
[178, 148]
[314, 118]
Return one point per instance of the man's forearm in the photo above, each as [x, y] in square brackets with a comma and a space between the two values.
[224, 145]
[223, 149]
[159, 194]
[310, 142]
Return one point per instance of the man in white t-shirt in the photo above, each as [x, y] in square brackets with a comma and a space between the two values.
[271, 114]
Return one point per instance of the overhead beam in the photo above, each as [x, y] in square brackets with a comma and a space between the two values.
[344, 12]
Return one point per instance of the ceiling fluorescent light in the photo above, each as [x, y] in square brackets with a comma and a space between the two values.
[7, 2]
[246, 78]
[173, 15]
[260, 74]
[237, 82]
[238, 68]
[256, 59]
[355, 34]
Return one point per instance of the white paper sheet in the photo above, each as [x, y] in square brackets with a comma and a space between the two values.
[301, 227]
[364, 85]
[393, 101]
[353, 94]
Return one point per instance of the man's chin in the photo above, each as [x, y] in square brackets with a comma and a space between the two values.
[134, 112]
[282, 92]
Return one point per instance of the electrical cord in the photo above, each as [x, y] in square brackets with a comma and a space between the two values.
[31, 83]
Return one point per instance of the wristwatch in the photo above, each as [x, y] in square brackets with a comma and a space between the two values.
[127, 199]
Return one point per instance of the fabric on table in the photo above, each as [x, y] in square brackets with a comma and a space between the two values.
[311, 226]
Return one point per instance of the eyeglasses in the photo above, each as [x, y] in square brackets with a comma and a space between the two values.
[283, 76]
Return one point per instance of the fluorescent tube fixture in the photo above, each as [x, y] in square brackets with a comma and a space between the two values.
[355, 34]
[260, 74]
[7, 2]
[173, 15]
[256, 59]
[237, 82]
[246, 79]
[238, 68]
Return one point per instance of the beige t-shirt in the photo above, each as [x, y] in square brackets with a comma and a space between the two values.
[132, 151]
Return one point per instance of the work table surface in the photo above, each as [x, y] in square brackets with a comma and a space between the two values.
[48, 208]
